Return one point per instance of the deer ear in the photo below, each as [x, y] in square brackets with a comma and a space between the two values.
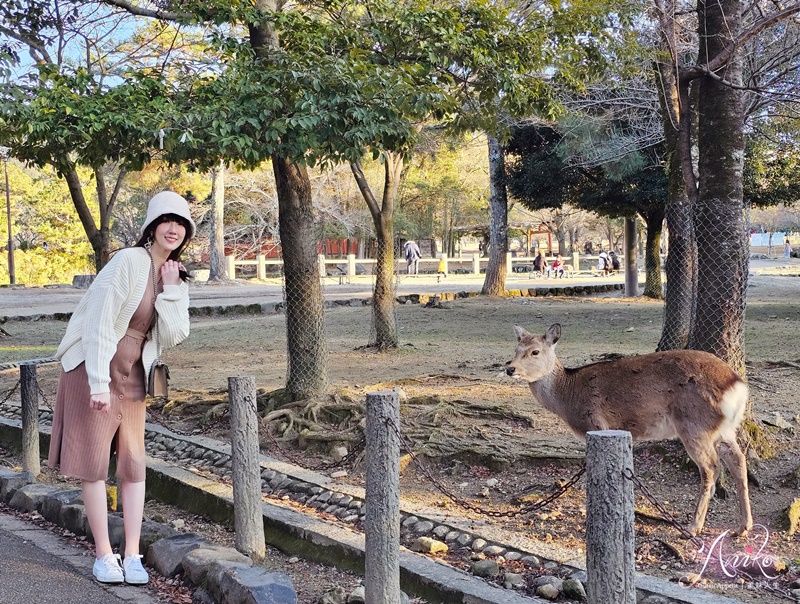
[521, 333]
[553, 333]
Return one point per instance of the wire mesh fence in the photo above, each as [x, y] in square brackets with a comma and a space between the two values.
[707, 267]
[306, 349]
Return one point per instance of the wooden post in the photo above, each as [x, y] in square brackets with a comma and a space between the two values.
[231, 266]
[509, 265]
[382, 518]
[323, 272]
[476, 264]
[609, 518]
[576, 262]
[248, 520]
[29, 391]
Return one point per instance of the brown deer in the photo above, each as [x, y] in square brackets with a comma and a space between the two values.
[685, 394]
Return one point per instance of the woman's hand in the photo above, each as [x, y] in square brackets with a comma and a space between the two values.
[170, 273]
[100, 402]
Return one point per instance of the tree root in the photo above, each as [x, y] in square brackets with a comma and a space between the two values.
[333, 419]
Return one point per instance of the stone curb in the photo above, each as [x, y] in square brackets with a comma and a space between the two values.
[235, 581]
[309, 537]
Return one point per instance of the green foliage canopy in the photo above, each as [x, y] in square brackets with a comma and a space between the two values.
[540, 177]
[64, 119]
[348, 78]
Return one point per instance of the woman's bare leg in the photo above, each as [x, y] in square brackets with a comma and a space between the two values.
[96, 504]
[132, 496]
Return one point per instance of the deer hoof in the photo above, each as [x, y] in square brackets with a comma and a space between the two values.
[695, 529]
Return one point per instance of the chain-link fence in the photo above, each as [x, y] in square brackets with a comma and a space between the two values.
[306, 350]
[707, 266]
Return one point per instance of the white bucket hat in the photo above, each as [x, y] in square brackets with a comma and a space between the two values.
[168, 202]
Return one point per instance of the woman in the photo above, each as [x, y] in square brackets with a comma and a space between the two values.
[558, 267]
[106, 355]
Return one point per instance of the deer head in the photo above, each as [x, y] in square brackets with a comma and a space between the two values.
[535, 356]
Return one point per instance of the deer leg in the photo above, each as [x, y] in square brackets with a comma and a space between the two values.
[705, 456]
[737, 465]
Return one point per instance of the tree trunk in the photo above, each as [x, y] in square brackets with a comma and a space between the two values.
[680, 263]
[652, 254]
[306, 375]
[383, 311]
[630, 236]
[218, 270]
[98, 236]
[305, 331]
[495, 282]
[722, 245]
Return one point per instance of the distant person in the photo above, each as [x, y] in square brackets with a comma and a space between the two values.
[588, 248]
[604, 263]
[787, 249]
[137, 306]
[411, 250]
[441, 270]
[558, 267]
[540, 264]
[615, 264]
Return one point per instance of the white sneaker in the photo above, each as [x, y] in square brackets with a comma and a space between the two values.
[108, 570]
[135, 574]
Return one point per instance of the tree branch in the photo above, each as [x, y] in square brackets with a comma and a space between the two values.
[696, 71]
[32, 43]
[366, 191]
[163, 15]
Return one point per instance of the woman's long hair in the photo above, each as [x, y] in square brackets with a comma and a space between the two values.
[150, 232]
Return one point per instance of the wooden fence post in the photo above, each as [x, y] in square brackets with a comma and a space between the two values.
[382, 517]
[231, 260]
[609, 518]
[246, 469]
[476, 264]
[29, 392]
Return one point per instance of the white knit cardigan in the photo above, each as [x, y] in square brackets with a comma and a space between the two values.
[102, 316]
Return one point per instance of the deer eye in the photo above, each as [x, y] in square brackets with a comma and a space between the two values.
[533, 353]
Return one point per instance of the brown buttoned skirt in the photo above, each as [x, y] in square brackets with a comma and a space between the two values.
[83, 439]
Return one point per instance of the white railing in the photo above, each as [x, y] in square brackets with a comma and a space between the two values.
[470, 264]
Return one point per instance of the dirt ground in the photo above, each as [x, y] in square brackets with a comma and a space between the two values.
[473, 424]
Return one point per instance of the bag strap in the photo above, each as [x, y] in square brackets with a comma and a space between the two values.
[155, 295]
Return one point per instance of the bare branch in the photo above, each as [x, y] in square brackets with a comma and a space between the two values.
[162, 15]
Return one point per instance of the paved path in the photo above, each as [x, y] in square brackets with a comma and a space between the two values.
[37, 566]
[27, 301]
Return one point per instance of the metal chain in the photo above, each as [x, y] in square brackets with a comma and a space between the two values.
[782, 593]
[668, 517]
[44, 397]
[9, 393]
[161, 423]
[294, 458]
[522, 510]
